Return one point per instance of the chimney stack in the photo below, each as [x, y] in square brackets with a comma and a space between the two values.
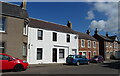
[23, 4]
[88, 32]
[69, 24]
[96, 31]
[107, 34]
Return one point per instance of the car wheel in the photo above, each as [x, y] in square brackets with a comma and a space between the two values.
[88, 62]
[18, 68]
[78, 63]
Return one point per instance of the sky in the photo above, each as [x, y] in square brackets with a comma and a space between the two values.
[83, 15]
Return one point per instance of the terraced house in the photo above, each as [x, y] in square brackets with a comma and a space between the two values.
[13, 29]
[108, 45]
[88, 45]
[50, 42]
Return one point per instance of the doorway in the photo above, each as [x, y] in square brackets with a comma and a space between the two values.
[54, 55]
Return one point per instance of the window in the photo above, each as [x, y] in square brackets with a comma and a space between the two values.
[25, 29]
[61, 53]
[2, 23]
[94, 44]
[89, 43]
[40, 34]
[94, 53]
[116, 45]
[54, 36]
[84, 54]
[24, 49]
[111, 44]
[2, 48]
[68, 38]
[82, 43]
[39, 53]
[106, 44]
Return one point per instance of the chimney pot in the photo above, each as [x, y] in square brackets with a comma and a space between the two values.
[69, 24]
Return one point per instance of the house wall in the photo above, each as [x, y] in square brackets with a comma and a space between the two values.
[47, 44]
[13, 37]
[89, 49]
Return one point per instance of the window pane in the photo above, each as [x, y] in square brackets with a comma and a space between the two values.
[68, 38]
[61, 53]
[40, 34]
[54, 36]
[2, 23]
[39, 53]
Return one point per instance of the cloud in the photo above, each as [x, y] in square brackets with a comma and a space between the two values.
[90, 15]
[98, 24]
[110, 9]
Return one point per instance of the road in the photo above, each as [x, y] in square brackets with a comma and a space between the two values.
[105, 68]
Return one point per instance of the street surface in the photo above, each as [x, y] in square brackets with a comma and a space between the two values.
[108, 67]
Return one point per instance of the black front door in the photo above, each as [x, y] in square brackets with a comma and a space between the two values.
[54, 55]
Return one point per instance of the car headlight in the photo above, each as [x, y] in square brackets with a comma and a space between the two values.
[24, 61]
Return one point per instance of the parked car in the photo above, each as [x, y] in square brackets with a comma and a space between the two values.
[97, 59]
[10, 63]
[77, 59]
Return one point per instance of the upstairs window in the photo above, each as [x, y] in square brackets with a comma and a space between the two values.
[94, 44]
[68, 38]
[89, 43]
[54, 36]
[82, 43]
[25, 29]
[40, 34]
[2, 23]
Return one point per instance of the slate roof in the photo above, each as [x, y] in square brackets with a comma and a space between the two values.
[105, 37]
[112, 37]
[12, 10]
[49, 26]
[85, 36]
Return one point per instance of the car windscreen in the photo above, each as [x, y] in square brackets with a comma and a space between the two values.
[95, 56]
[70, 56]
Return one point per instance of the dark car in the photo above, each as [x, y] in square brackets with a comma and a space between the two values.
[10, 63]
[76, 59]
[97, 59]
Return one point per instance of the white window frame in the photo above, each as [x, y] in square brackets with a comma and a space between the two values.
[82, 52]
[106, 44]
[88, 44]
[93, 44]
[3, 24]
[111, 44]
[94, 53]
[25, 30]
[81, 43]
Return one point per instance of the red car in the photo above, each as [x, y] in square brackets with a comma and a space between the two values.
[8, 62]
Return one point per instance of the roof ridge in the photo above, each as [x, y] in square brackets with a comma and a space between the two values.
[10, 3]
[48, 21]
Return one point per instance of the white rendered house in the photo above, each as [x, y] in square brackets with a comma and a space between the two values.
[50, 42]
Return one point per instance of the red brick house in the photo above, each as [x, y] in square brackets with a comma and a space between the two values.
[107, 44]
[88, 45]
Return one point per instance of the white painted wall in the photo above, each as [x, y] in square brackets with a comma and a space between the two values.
[47, 44]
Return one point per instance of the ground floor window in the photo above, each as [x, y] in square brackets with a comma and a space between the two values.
[61, 53]
[2, 48]
[39, 53]
[94, 53]
[84, 54]
[25, 49]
